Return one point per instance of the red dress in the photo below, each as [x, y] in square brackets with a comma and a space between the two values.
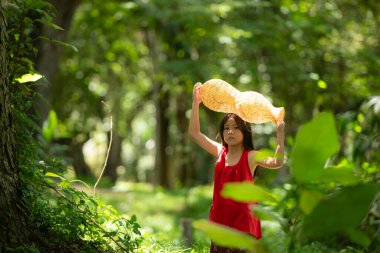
[229, 212]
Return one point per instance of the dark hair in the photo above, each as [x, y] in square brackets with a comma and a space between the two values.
[243, 126]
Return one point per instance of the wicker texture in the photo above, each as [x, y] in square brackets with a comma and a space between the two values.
[219, 95]
[251, 106]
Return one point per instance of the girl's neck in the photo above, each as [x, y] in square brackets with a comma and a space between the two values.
[235, 149]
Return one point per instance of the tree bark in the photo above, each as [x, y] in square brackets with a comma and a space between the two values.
[183, 156]
[162, 137]
[162, 121]
[15, 226]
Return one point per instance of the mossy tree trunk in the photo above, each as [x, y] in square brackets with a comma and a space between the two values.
[15, 226]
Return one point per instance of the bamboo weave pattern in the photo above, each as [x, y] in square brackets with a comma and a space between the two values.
[251, 106]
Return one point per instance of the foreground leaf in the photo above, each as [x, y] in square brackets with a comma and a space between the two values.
[226, 236]
[340, 211]
[246, 192]
[315, 142]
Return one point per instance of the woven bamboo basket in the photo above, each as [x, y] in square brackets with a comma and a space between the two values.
[251, 106]
[218, 95]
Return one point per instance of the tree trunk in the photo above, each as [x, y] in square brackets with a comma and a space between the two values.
[15, 228]
[162, 137]
[162, 121]
[183, 156]
[49, 55]
[114, 98]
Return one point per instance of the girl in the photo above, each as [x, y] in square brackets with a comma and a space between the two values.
[235, 163]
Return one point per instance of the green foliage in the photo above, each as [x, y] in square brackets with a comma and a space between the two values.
[72, 216]
[340, 212]
[65, 219]
[315, 142]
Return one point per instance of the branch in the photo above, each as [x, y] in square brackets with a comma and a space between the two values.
[109, 147]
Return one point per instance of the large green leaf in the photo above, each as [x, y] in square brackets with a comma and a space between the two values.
[316, 141]
[246, 192]
[340, 211]
[226, 236]
[309, 199]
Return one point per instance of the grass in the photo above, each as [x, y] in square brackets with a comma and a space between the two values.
[160, 213]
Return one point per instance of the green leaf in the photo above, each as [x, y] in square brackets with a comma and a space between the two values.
[226, 236]
[322, 84]
[265, 153]
[49, 23]
[340, 211]
[246, 192]
[358, 237]
[316, 141]
[65, 184]
[345, 176]
[51, 174]
[264, 214]
[309, 199]
[30, 77]
[49, 126]
[60, 43]
[80, 181]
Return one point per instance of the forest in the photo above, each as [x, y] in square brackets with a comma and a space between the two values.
[96, 98]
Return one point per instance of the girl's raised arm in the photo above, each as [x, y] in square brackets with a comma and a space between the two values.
[202, 140]
[277, 160]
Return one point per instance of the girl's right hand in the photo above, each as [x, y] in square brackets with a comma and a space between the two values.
[196, 96]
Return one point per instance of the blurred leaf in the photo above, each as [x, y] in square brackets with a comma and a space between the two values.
[340, 211]
[80, 181]
[226, 236]
[50, 125]
[30, 77]
[322, 84]
[263, 154]
[358, 237]
[246, 192]
[315, 142]
[309, 199]
[344, 176]
[264, 214]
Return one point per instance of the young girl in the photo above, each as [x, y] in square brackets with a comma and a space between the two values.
[235, 163]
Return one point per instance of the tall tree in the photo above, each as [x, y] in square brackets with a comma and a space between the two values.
[16, 228]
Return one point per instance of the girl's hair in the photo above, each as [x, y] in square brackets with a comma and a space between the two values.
[243, 126]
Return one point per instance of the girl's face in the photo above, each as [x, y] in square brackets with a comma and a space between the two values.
[232, 134]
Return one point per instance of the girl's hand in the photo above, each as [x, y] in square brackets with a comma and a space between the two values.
[196, 96]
